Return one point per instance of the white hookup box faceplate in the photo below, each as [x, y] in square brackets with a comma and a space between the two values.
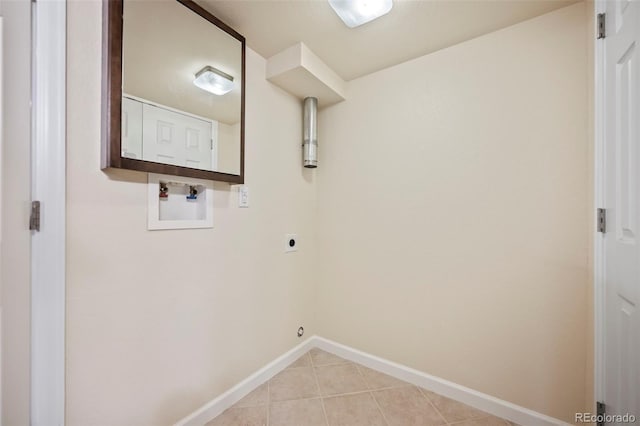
[179, 203]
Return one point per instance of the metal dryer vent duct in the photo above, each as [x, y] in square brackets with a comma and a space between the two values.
[310, 125]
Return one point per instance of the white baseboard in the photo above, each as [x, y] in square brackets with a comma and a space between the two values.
[497, 407]
[479, 400]
[216, 406]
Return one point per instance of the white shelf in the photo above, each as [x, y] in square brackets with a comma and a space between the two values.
[300, 72]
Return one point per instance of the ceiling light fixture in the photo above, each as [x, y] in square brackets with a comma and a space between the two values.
[214, 81]
[357, 12]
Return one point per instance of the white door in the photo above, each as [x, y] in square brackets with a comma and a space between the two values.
[1, 137]
[622, 198]
[173, 138]
[131, 133]
[32, 275]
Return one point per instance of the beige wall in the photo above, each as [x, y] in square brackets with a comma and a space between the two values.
[16, 194]
[161, 322]
[453, 214]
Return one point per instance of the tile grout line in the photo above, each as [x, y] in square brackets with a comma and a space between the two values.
[455, 422]
[320, 366]
[375, 401]
[268, 402]
[365, 391]
[348, 393]
[364, 379]
[336, 395]
[370, 387]
[433, 405]
[313, 368]
[459, 422]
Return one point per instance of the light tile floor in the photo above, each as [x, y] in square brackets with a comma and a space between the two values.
[321, 389]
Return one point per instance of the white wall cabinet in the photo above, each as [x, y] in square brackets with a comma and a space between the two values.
[156, 133]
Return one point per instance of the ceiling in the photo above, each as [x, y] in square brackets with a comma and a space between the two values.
[413, 28]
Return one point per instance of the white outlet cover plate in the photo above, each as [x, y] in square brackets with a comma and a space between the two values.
[287, 239]
[243, 196]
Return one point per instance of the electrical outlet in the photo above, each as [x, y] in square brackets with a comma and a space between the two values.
[291, 243]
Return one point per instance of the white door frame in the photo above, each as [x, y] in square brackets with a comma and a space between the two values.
[48, 185]
[599, 201]
[1, 148]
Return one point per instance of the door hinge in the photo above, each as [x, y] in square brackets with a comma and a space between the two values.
[602, 220]
[602, 25]
[34, 218]
[601, 412]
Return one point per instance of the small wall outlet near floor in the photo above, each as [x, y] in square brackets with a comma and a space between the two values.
[291, 243]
